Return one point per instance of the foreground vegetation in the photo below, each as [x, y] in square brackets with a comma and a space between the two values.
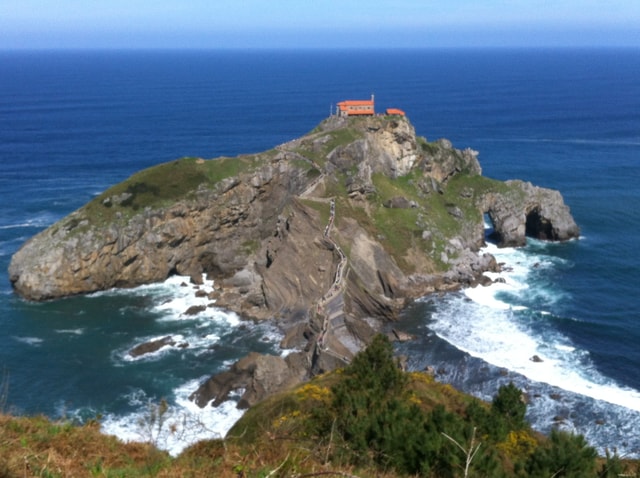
[369, 419]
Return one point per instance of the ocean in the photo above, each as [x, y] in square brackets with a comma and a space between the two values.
[72, 123]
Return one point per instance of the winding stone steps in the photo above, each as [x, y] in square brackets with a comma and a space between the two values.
[331, 306]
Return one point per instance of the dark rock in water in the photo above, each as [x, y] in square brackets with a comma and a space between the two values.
[259, 375]
[195, 309]
[483, 281]
[201, 293]
[151, 346]
[400, 336]
[196, 279]
[536, 359]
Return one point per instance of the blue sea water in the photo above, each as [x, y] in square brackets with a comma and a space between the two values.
[74, 123]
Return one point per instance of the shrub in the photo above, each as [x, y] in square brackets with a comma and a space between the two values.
[379, 423]
[564, 455]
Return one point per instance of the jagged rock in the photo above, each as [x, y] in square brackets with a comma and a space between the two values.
[528, 210]
[443, 161]
[401, 336]
[259, 375]
[151, 346]
[195, 309]
[297, 336]
[196, 279]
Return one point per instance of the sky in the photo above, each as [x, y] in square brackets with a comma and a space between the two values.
[214, 24]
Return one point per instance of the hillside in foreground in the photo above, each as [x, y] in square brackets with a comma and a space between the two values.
[368, 419]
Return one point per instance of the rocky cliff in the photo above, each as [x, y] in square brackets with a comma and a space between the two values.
[328, 234]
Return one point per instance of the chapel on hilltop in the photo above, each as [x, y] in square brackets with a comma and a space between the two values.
[357, 107]
[363, 108]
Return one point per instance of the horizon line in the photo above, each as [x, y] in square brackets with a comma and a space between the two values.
[316, 48]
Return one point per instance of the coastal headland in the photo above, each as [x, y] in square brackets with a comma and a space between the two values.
[328, 235]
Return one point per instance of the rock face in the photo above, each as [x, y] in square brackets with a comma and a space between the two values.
[330, 234]
[537, 212]
[208, 232]
[258, 375]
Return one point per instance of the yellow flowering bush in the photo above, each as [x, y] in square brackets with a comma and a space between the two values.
[310, 391]
[518, 444]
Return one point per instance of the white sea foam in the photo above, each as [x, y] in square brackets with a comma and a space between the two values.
[494, 324]
[41, 220]
[33, 341]
[16, 226]
[28, 224]
[175, 296]
[184, 423]
[78, 331]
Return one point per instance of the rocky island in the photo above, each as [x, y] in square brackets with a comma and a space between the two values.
[328, 235]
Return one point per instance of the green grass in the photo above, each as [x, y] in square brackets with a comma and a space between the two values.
[340, 137]
[160, 186]
[426, 146]
[401, 229]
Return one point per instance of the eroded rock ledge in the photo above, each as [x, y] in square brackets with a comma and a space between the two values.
[329, 234]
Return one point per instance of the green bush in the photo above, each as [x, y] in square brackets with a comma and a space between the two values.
[508, 405]
[378, 423]
[564, 455]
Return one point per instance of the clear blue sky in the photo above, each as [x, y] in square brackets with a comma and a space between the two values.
[317, 23]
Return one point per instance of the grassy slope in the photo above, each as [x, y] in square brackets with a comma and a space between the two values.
[159, 186]
[273, 435]
[270, 434]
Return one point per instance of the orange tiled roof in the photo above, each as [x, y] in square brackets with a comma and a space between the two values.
[395, 111]
[355, 103]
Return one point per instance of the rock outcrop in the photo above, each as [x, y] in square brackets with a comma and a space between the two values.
[152, 346]
[257, 375]
[534, 212]
[327, 233]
